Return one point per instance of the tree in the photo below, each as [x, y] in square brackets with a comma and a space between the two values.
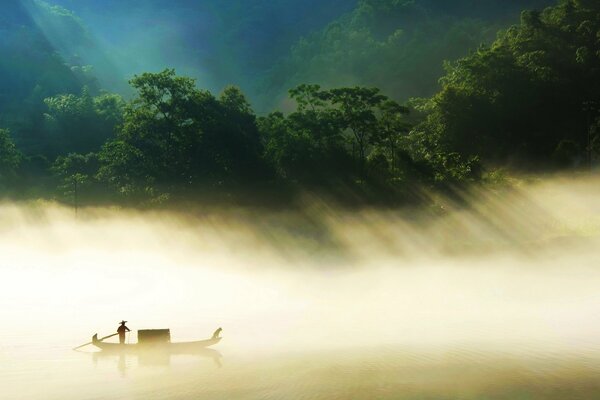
[76, 174]
[123, 167]
[308, 97]
[10, 157]
[358, 109]
[396, 45]
[237, 139]
[524, 98]
[81, 123]
[176, 138]
[390, 128]
[158, 137]
[308, 146]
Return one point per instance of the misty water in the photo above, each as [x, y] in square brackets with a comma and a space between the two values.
[494, 299]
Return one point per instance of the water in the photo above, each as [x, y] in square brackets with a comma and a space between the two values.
[497, 301]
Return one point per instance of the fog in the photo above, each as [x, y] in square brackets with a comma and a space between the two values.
[502, 272]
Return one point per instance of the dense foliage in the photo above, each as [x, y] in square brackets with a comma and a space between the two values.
[177, 138]
[397, 45]
[531, 98]
[177, 141]
[31, 71]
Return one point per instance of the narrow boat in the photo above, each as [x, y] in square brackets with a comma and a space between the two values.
[162, 346]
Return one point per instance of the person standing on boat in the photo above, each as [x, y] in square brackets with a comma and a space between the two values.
[121, 331]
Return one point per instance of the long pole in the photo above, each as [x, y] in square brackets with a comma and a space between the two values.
[101, 339]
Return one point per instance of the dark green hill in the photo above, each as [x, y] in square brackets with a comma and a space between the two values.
[31, 69]
[396, 45]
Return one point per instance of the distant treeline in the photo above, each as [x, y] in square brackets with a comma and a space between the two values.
[396, 45]
[530, 100]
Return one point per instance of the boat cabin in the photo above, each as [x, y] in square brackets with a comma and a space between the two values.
[154, 336]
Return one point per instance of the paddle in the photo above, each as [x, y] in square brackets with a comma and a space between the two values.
[101, 339]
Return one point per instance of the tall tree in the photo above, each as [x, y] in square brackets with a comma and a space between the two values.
[358, 107]
[10, 157]
[392, 126]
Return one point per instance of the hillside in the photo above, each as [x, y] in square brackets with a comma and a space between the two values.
[526, 100]
[398, 46]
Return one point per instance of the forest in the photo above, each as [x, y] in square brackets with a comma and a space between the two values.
[389, 99]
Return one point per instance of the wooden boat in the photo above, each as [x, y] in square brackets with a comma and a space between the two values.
[168, 347]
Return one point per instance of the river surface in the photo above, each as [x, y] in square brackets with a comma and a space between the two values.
[499, 300]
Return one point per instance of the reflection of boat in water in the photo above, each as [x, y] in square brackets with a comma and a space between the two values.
[155, 355]
[162, 347]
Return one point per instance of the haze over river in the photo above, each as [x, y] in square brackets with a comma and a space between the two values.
[497, 300]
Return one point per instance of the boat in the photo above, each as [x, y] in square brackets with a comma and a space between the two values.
[156, 346]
